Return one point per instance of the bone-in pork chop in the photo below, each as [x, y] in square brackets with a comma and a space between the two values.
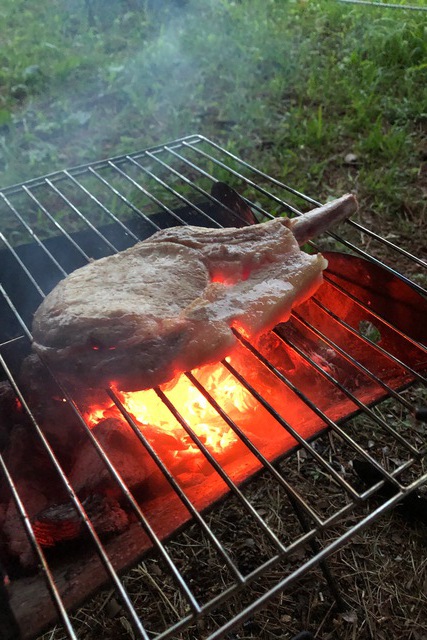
[169, 303]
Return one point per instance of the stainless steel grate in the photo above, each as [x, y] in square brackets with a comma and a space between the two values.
[315, 385]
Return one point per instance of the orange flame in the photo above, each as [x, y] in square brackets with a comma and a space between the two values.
[155, 419]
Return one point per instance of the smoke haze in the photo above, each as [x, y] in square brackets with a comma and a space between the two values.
[139, 76]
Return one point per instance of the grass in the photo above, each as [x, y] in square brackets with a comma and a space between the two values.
[294, 87]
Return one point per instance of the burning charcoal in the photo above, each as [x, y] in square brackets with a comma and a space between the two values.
[10, 412]
[37, 484]
[60, 523]
[3, 508]
[16, 537]
[35, 379]
[106, 514]
[56, 524]
[8, 625]
[29, 463]
[47, 403]
[90, 474]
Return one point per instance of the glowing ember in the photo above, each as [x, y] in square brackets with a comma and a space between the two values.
[155, 419]
[176, 448]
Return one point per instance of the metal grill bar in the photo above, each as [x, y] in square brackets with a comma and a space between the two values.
[333, 235]
[155, 540]
[158, 202]
[81, 217]
[361, 405]
[55, 222]
[125, 200]
[33, 235]
[115, 188]
[220, 471]
[253, 184]
[387, 243]
[82, 513]
[175, 193]
[374, 315]
[133, 504]
[287, 206]
[369, 256]
[23, 267]
[306, 445]
[191, 165]
[99, 203]
[294, 495]
[353, 361]
[373, 345]
[304, 197]
[16, 314]
[325, 418]
[50, 583]
[322, 555]
[177, 489]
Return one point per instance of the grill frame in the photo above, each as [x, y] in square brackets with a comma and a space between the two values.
[217, 158]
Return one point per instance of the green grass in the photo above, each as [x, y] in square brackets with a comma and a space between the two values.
[291, 86]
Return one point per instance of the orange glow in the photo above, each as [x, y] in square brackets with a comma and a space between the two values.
[176, 448]
[229, 279]
[155, 420]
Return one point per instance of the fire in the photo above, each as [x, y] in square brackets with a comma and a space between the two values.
[176, 446]
[155, 419]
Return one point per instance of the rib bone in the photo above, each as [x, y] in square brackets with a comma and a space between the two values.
[319, 220]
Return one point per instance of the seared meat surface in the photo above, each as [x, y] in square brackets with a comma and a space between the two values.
[169, 303]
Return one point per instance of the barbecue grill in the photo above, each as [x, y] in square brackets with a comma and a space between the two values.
[300, 409]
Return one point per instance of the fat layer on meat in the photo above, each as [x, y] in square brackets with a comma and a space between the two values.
[168, 304]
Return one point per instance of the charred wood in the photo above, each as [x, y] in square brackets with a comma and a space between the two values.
[60, 523]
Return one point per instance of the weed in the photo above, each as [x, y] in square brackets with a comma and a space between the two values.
[291, 86]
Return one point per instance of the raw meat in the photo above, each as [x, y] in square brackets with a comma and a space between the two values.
[169, 303]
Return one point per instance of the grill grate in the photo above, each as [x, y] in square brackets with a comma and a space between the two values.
[360, 340]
